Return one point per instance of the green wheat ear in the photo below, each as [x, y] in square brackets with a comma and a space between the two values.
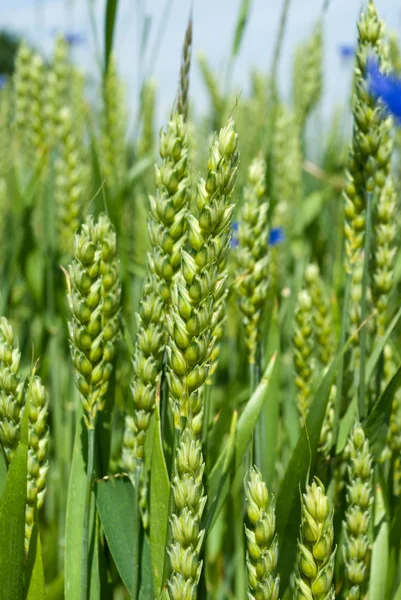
[322, 317]
[323, 347]
[358, 514]
[315, 556]
[112, 139]
[11, 390]
[29, 89]
[94, 300]
[308, 75]
[186, 520]
[38, 460]
[167, 226]
[71, 180]
[262, 542]
[183, 93]
[370, 153]
[57, 87]
[148, 105]
[197, 314]
[286, 175]
[253, 256]
[303, 353]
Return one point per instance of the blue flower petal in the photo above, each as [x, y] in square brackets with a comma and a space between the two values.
[74, 38]
[234, 240]
[386, 88]
[346, 51]
[276, 236]
[3, 81]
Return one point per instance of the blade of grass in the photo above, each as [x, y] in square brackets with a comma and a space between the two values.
[377, 424]
[242, 20]
[3, 471]
[114, 499]
[271, 408]
[35, 580]
[346, 424]
[75, 512]
[109, 27]
[222, 474]
[12, 520]
[379, 347]
[279, 40]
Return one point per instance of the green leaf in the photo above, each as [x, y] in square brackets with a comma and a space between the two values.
[159, 506]
[380, 554]
[218, 485]
[115, 501]
[346, 424]
[146, 589]
[379, 347]
[219, 477]
[242, 20]
[35, 579]
[251, 412]
[97, 575]
[75, 512]
[3, 471]
[216, 436]
[311, 209]
[55, 589]
[12, 521]
[272, 406]
[377, 424]
[111, 11]
[302, 460]
[34, 273]
[137, 171]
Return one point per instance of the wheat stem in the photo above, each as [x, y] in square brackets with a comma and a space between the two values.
[86, 524]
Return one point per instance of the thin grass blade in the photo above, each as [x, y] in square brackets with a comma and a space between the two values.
[35, 579]
[110, 22]
[12, 521]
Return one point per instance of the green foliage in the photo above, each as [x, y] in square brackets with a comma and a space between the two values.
[211, 371]
[12, 520]
[8, 49]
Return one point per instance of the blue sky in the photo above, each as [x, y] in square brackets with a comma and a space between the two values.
[214, 22]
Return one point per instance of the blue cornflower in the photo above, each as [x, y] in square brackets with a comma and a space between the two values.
[74, 38]
[346, 51]
[234, 239]
[386, 88]
[3, 81]
[276, 236]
